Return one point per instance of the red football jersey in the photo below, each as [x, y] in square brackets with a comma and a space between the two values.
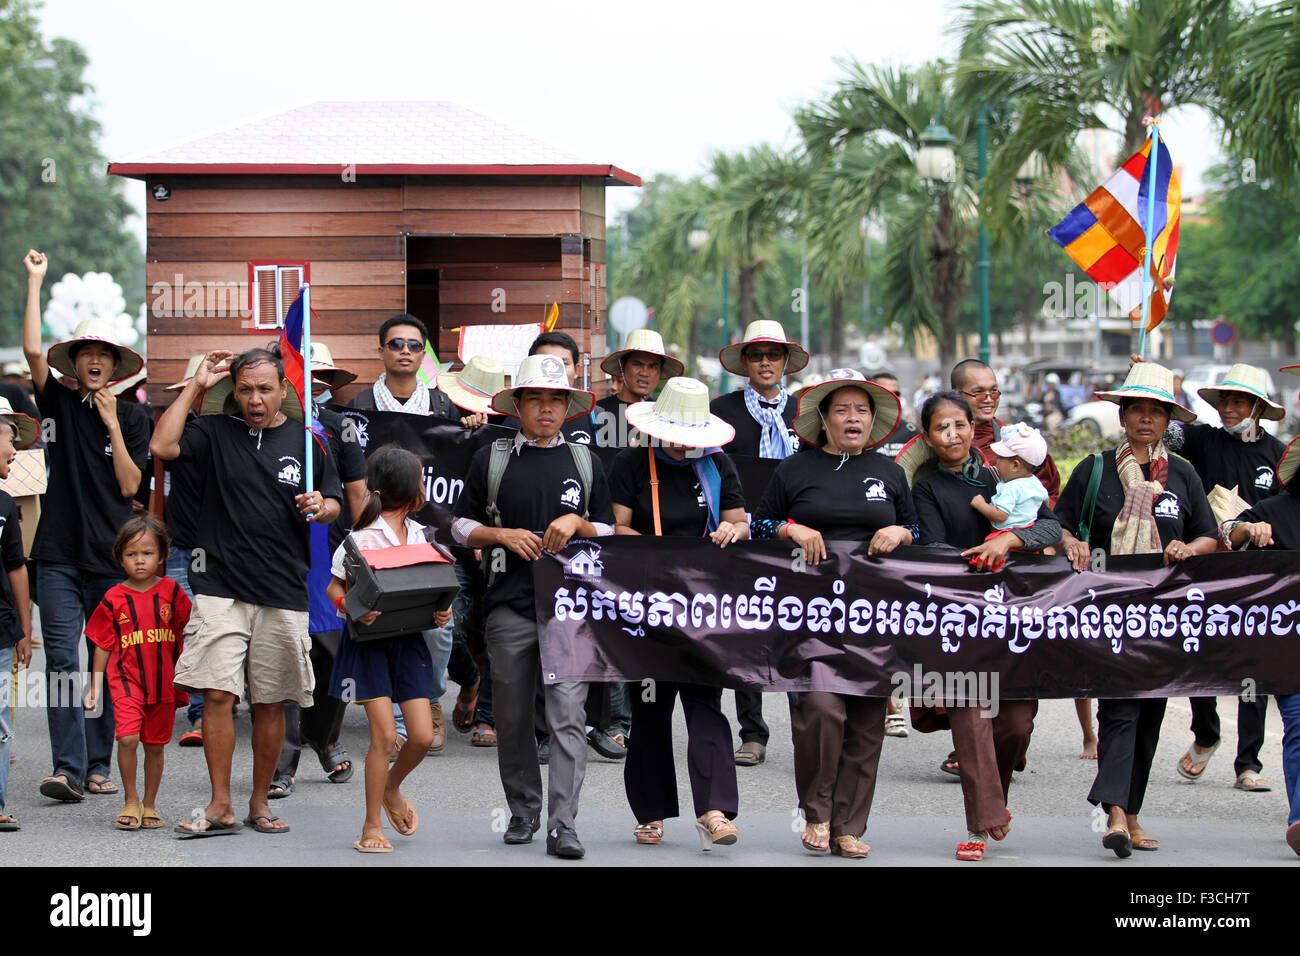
[142, 632]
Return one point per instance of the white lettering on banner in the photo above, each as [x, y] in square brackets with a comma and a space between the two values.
[440, 489]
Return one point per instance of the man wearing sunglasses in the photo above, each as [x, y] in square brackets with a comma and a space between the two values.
[979, 386]
[401, 346]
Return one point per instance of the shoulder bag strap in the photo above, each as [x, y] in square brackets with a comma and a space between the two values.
[1090, 500]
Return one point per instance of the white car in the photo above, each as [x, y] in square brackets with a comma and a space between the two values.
[1100, 418]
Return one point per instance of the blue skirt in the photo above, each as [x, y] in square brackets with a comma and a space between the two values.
[398, 667]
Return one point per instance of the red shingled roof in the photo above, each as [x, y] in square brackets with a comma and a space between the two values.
[402, 137]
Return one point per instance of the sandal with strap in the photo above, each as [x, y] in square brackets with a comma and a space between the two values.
[150, 819]
[895, 725]
[716, 830]
[973, 849]
[649, 834]
[131, 813]
[462, 715]
[1143, 841]
[850, 847]
[335, 763]
[1000, 832]
[1196, 760]
[820, 834]
[1118, 838]
[1252, 782]
[483, 736]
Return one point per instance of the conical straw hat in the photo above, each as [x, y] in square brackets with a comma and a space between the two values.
[680, 416]
[1148, 380]
[473, 386]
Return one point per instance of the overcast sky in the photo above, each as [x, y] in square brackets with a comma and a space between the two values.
[652, 87]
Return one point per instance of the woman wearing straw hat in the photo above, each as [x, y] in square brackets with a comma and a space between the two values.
[987, 750]
[762, 414]
[681, 484]
[839, 490]
[1275, 524]
[16, 431]
[1148, 502]
[97, 456]
[1238, 456]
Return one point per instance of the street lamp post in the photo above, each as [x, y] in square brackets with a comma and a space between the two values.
[982, 261]
[696, 239]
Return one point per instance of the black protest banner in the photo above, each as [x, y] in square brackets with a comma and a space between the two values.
[754, 472]
[921, 619]
[445, 447]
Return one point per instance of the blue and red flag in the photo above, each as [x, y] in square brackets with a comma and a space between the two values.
[291, 354]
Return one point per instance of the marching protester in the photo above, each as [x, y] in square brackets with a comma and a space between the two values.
[762, 413]
[839, 490]
[137, 632]
[904, 431]
[402, 341]
[321, 724]
[698, 495]
[522, 496]
[1236, 462]
[1136, 499]
[988, 750]
[560, 344]
[250, 592]
[16, 431]
[638, 368]
[393, 670]
[97, 450]
[1274, 523]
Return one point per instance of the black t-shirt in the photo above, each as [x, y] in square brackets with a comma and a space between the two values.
[1282, 511]
[1224, 459]
[538, 486]
[683, 506]
[609, 422]
[749, 433]
[579, 431]
[852, 500]
[944, 512]
[1182, 512]
[255, 542]
[440, 406]
[350, 460]
[12, 558]
[184, 490]
[903, 433]
[83, 506]
[20, 400]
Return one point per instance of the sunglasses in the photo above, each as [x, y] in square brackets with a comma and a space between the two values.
[754, 356]
[399, 345]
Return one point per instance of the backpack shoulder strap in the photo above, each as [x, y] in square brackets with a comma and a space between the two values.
[582, 461]
[1090, 500]
[496, 469]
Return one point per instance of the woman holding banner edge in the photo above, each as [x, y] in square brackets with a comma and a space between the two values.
[1147, 502]
[682, 484]
[988, 750]
[839, 490]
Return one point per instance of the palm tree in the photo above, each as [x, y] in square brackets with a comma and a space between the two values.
[1263, 109]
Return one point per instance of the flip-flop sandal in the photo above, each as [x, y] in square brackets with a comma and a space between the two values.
[1119, 840]
[1197, 760]
[396, 818]
[330, 761]
[59, 787]
[972, 851]
[462, 715]
[265, 827]
[214, 828]
[280, 788]
[951, 765]
[8, 823]
[483, 736]
[1252, 782]
[1143, 841]
[191, 738]
[359, 846]
[130, 812]
[101, 786]
[150, 820]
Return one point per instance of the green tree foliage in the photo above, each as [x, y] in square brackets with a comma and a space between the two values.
[1263, 108]
[54, 194]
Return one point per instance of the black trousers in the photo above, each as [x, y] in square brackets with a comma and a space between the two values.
[650, 773]
[1250, 729]
[319, 725]
[1127, 734]
[749, 714]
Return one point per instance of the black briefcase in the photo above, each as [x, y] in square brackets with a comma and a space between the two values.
[406, 584]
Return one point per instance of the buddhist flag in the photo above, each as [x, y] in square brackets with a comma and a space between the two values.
[552, 318]
[1107, 233]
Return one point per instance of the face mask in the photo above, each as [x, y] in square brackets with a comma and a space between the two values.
[1248, 428]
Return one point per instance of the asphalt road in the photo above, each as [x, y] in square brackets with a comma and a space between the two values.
[916, 818]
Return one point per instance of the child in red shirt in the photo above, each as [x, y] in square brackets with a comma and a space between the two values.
[137, 631]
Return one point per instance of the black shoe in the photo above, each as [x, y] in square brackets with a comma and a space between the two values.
[521, 830]
[563, 842]
[605, 745]
[544, 752]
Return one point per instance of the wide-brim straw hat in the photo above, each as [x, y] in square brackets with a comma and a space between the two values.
[808, 423]
[325, 371]
[763, 332]
[1247, 380]
[1148, 380]
[1226, 503]
[643, 340]
[21, 369]
[917, 459]
[126, 384]
[95, 330]
[473, 387]
[1286, 467]
[26, 428]
[1290, 369]
[680, 416]
[192, 369]
[543, 371]
[220, 400]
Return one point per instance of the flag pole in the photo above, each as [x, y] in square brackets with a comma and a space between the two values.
[1152, 159]
[308, 458]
